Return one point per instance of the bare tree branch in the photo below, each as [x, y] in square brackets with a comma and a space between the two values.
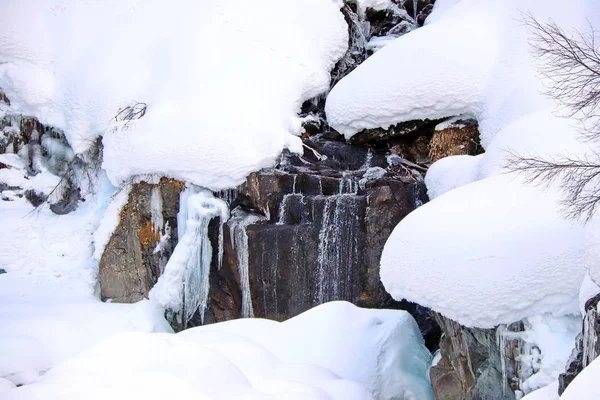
[579, 179]
[571, 64]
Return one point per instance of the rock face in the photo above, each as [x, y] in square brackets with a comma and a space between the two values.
[471, 365]
[309, 231]
[131, 264]
[587, 346]
[326, 218]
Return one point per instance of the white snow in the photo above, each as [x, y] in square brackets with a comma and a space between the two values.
[110, 219]
[475, 252]
[549, 392]
[223, 81]
[48, 311]
[334, 351]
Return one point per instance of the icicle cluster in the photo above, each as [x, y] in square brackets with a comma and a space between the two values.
[184, 285]
[239, 238]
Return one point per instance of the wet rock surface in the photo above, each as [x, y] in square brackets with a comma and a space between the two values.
[471, 364]
[325, 217]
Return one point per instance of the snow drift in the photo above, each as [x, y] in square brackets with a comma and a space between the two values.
[334, 351]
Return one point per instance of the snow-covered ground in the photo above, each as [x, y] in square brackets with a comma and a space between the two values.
[334, 351]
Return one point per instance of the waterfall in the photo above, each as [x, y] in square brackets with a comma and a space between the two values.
[336, 254]
[239, 239]
[184, 285]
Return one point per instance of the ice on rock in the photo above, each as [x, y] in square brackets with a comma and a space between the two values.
[239, 238]
[184, 285]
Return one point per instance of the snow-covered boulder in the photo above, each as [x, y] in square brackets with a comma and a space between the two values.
[210, 96]
[489, 248]
[334, 351]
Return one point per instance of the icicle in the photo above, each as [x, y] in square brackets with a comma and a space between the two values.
[415, 6]
[294, 184]
[590, 337]
[239, 238]
[368, 161]
[184, 285]
[156, 207]
[337, 248]
[500, 330]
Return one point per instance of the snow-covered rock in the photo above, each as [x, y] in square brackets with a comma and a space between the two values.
[220, 82]
[334, 351]
[475, 252]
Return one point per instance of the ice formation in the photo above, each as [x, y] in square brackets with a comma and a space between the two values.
[184, 285]
[239, 238]
[70, 67]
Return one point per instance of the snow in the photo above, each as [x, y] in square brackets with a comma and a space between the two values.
[48, 311]
[549, 342]
[592, 250]
[588, 290]
[110, 219]
[586, 385]
[549, 392]
[480, 249]
[334, 351]
[487, 238]
[240, 70]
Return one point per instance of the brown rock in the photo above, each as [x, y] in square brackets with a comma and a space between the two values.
[454, 141]
[129, 267]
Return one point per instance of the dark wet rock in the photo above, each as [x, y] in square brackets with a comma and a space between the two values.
[587, 346]
[68, 202]
[471, 365]
[384, 137]
[2, 271]
[36, 199]
[322, 234]
[130, 264]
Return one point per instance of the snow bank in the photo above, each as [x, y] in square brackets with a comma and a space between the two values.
[222, 81]
[43, 324]
[486, 253]
[475, 252]
[335, 351]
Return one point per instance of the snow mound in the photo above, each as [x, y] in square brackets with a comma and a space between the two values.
[334, 351]
[489, 248]
[486, 253]
[218, 86]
